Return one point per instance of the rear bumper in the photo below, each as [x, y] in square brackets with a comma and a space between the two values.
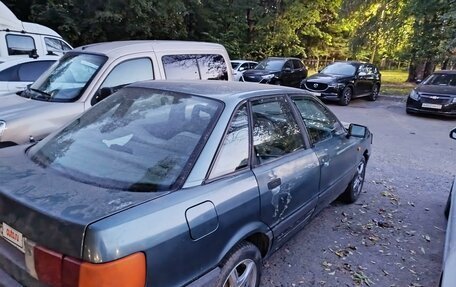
[12, 268]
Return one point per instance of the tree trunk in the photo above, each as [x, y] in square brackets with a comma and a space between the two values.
[412, 72]
[428, 69]
[445, 64]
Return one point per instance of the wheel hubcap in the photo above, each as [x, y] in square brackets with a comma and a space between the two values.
[243, 275]
[359, 179]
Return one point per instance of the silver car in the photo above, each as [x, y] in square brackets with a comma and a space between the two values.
[174, 184]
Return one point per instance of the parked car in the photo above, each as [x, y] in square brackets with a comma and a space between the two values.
[277, 71]
[23, 39]
[174, 183]
[16, 74]
[448, 277]
[88, 74]
[343, 81]
[240, 66]
[435, 95]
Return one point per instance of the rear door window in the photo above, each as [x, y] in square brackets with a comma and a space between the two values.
[195, 67]
[19, 44]
[10, 74]
[55, 45]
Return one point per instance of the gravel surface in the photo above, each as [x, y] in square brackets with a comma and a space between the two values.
[394, 234]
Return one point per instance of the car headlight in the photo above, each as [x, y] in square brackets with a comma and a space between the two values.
[338, 86]
[454, 100]
[414, 95]
[2, 127]
[268, 77]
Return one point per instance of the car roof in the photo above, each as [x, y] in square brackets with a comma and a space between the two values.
[222, 90]
[9, 62]
[118, 48]
[242, 61]
[445, 72]
[282, 58]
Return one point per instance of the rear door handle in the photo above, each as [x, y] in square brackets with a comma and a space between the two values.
[274, 183]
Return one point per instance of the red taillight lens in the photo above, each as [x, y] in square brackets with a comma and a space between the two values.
[48, 266]
[56, 270]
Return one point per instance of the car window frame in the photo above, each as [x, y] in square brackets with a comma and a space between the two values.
[207, 178]
[326, 109]
[297, 117]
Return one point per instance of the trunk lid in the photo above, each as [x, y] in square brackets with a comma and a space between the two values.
[53, 210]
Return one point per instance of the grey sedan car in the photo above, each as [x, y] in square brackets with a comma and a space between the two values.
[174, 184]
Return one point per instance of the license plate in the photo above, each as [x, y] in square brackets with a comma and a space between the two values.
[13, 236]
[431, 106]
[315, 94]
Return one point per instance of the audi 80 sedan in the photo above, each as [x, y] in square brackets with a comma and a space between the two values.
[174, 184]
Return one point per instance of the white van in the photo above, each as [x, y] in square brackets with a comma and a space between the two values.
[19, 39]
[88, 74]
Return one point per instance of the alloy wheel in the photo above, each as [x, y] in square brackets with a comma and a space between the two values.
[243, 275]
[359, 179]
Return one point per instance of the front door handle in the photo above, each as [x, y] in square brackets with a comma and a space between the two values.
[274, 183]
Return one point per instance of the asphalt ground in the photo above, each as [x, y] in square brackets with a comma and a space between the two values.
[394, 234]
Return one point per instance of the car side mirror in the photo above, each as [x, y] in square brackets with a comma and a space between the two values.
[287, 70]
[453, 134]
[241, 69]
[102, 94]
[418, 81]
[357, 131]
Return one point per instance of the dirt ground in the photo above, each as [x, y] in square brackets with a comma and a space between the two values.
[394, 234]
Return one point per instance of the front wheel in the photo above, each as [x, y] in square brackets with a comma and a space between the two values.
[346, 96]
[374, 94]
[353, 191]
[241, 268]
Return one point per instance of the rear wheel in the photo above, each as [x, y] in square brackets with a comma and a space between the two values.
[346, 96]
[374, 94]
[353, 191]
[241, 268]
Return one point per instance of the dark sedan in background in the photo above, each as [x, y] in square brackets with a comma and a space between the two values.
[435, 95]
[343, 81]
[174, 184]
[277, 71]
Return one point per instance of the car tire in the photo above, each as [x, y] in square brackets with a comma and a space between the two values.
[351, 194]
[375, 91]
[346, 96]
[241, 267]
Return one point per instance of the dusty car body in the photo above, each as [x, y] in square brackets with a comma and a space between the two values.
[174, 184]
[449, 253]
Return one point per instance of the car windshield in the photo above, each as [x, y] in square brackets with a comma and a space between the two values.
[234, 65]
[67, 79]
[137, 139]
[441, 80]
[340, 69]
[270, 64]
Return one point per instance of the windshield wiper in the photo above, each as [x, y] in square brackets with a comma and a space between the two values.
[45, 95]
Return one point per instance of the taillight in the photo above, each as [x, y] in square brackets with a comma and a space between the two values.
[57, 270]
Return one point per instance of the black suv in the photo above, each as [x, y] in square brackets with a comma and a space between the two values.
[277, 71]
[343, 81]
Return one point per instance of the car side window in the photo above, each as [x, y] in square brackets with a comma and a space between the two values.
[244, 67]
[233, 154]
[29, 72]
[362, 69]
[10, 74]
[297, 64]
[288, 64]
[275, 130]
[320, 123]
[195, 67]
[129, 72]
[253, 65]
[19, 44]
[125, 73]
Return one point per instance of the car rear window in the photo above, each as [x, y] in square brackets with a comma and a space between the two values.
[138, 140]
